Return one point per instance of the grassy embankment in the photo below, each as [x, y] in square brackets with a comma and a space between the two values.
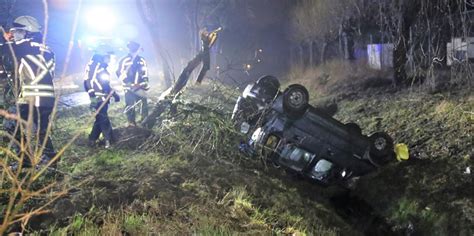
[188, 177]
[432, 193]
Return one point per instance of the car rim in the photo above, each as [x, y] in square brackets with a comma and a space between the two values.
[380, 143]
[296, 99]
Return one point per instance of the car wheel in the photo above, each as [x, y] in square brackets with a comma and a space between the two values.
[295, 100]
[270, 86]
[353, 128]
[381, 146]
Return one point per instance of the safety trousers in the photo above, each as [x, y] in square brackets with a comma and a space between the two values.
[102, 124]
[41, 119]
[131, 100]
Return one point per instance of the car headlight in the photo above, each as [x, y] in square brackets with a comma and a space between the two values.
[244, 127]
[322, 166]
[257, 135]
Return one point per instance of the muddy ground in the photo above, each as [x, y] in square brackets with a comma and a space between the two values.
[186, 176]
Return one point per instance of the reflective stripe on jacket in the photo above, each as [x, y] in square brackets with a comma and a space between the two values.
[97, 80]
[132, 71]
[35, 73]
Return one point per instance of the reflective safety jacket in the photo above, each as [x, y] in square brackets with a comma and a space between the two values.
[97, 80]
[34, 74]
[133, 73]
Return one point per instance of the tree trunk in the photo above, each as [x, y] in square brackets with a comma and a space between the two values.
[407, 18]
[292, 56]
[301, 54]
[399, 60]
[147, 10]
[315, 52]
[193, 25]
[323, 51]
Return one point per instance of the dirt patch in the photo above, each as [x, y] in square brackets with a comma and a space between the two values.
[131, 137]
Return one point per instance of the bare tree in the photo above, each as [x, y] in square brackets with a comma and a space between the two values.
[418, 29]
[320, 22]
[148, 12]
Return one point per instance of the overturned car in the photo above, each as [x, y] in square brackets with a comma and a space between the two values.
[290, 133]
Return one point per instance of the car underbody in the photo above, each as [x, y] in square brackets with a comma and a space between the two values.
[304, 140]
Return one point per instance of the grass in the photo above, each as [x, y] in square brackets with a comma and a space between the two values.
[438, 129]
[189, 178]
[328, 78]
[193, 182]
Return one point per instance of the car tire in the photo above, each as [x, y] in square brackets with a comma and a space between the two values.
[353, 128]
[270, 85]
[381, 146]
[295, 100]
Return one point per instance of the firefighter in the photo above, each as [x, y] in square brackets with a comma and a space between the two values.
[97, 85]
[33, 74]
[132, 71]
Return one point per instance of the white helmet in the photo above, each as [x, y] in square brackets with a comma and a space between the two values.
[27, 23]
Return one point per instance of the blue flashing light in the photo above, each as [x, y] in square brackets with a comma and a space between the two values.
[101, 19]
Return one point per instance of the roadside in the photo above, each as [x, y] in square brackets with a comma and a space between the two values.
[188, 177]
[431, 193]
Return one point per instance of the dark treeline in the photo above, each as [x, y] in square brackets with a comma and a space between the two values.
[418, 29]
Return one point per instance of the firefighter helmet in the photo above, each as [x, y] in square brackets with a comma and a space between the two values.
[104, 49]
[27, 23]
[133, 46]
